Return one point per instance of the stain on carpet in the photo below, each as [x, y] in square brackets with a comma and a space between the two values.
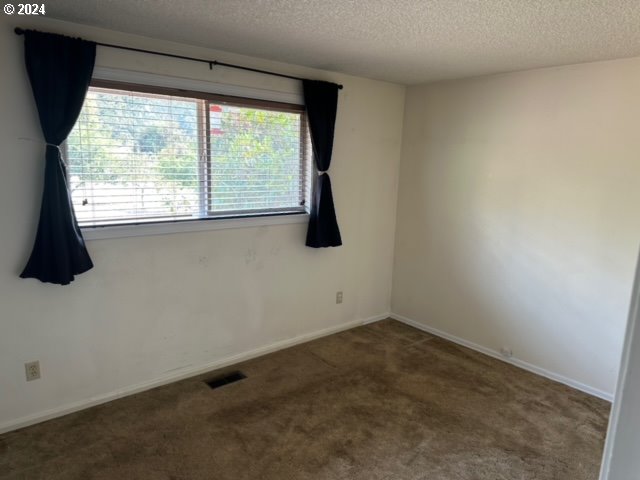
[379, 402]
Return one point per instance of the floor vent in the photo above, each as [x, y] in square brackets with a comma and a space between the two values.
[225, 379]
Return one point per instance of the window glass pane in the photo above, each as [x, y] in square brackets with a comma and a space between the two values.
[134, 156]
[255, 159]
[149, 154]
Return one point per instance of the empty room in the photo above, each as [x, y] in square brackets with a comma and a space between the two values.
[286, 239]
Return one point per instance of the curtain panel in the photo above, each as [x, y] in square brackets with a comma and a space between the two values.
[321, 102]
[59, 69]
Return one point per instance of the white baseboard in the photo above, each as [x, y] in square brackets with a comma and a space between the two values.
[377, 318]
[513, 361]
[180, 375]
[273, 347]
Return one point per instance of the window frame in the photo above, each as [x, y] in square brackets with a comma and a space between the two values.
[162, 85]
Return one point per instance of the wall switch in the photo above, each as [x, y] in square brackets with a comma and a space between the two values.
[338, 297]
[32, 370]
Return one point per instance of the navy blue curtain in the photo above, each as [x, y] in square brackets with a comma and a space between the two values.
[321, 102]
[59, 70]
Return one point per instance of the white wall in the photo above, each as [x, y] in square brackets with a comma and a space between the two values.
[518, 214]
[620, 460]
[159, 306]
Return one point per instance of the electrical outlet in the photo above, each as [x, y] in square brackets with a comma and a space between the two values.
[32, 370]
[338, 297]
[506, 352]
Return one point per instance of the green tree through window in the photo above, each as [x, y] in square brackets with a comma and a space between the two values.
[139, 156]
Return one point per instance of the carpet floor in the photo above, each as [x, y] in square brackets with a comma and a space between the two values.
[379, 402]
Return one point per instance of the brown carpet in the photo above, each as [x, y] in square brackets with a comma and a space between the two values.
[384, 401]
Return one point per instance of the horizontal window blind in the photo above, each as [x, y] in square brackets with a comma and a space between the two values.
[143, 154]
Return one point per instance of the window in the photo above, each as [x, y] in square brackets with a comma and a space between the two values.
[141, 154]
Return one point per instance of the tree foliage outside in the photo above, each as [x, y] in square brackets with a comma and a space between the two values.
[140, 156]
[255, 160]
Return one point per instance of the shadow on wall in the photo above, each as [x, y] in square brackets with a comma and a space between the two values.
[516, 260]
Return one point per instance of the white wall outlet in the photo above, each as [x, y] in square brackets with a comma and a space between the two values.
[506, 352]
[32, 370]
[338, 297]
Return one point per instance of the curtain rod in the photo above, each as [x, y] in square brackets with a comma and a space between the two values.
[211, 63]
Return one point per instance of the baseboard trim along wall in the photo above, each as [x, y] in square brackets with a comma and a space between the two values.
[181, 374]
[513, 361]
[279, 345]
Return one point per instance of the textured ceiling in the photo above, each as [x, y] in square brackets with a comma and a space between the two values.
[405, 41]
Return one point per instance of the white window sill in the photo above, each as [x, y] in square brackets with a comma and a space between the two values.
[141, 230]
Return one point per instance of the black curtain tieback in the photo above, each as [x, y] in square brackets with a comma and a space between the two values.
[60, 156]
